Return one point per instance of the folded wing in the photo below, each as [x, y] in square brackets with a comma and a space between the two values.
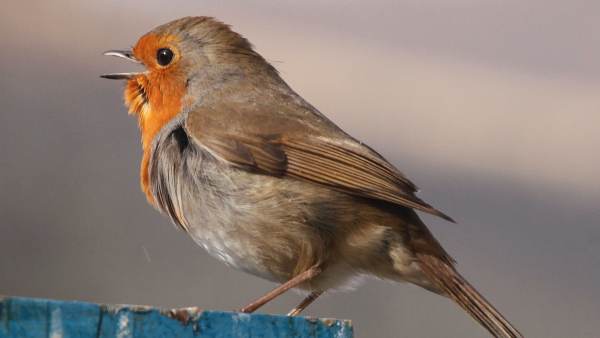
[308, 157]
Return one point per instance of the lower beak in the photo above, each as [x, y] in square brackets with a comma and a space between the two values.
[119, 76]
[125, 54]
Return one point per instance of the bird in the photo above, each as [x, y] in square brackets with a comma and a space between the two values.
[269, 185]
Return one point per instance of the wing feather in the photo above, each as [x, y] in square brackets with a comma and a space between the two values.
[340, 168]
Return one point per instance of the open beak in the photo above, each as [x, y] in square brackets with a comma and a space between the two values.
[125, 54]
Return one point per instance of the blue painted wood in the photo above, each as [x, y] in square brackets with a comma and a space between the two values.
[42, 318]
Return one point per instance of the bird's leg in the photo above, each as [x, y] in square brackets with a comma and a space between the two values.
[298, 279]
[305, 303]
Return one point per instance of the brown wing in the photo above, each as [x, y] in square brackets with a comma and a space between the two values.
[254, 154]
[343, 165]
[345, 170]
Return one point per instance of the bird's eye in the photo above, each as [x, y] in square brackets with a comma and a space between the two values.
[164, 56]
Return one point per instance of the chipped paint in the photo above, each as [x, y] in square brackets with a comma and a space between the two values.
[56, 324]
[242, 317]
[328, 321]
[345, 330]
[184, 315]
[123, 326]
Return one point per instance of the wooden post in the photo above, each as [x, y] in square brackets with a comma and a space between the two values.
[42, 318]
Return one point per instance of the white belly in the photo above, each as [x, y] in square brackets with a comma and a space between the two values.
[224, 245]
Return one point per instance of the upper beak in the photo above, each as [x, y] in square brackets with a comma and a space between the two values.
[125, 54]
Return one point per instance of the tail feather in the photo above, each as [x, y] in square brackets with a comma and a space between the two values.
[457, 288]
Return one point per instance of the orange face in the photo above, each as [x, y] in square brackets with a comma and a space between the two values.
[155, 96]
[171, 54]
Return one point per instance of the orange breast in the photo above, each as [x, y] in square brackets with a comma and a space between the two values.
[155, 98]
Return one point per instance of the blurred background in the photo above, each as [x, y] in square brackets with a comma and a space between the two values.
[491, 106]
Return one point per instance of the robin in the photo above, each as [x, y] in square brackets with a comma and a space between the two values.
[266, 183]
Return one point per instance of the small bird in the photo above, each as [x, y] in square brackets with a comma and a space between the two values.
[269, 185]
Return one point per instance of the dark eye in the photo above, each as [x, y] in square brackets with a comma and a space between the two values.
[164, 56]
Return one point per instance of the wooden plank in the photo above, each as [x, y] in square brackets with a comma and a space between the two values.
[43, 318]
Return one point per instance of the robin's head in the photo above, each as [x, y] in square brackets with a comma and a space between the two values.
[185, 61]
[182, 60]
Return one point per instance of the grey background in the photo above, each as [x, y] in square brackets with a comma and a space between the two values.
[492, 107]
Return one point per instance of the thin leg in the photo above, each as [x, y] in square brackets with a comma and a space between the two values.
[306, 302]
[300, 278]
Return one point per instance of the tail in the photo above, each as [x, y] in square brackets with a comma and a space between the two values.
[457, 288]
